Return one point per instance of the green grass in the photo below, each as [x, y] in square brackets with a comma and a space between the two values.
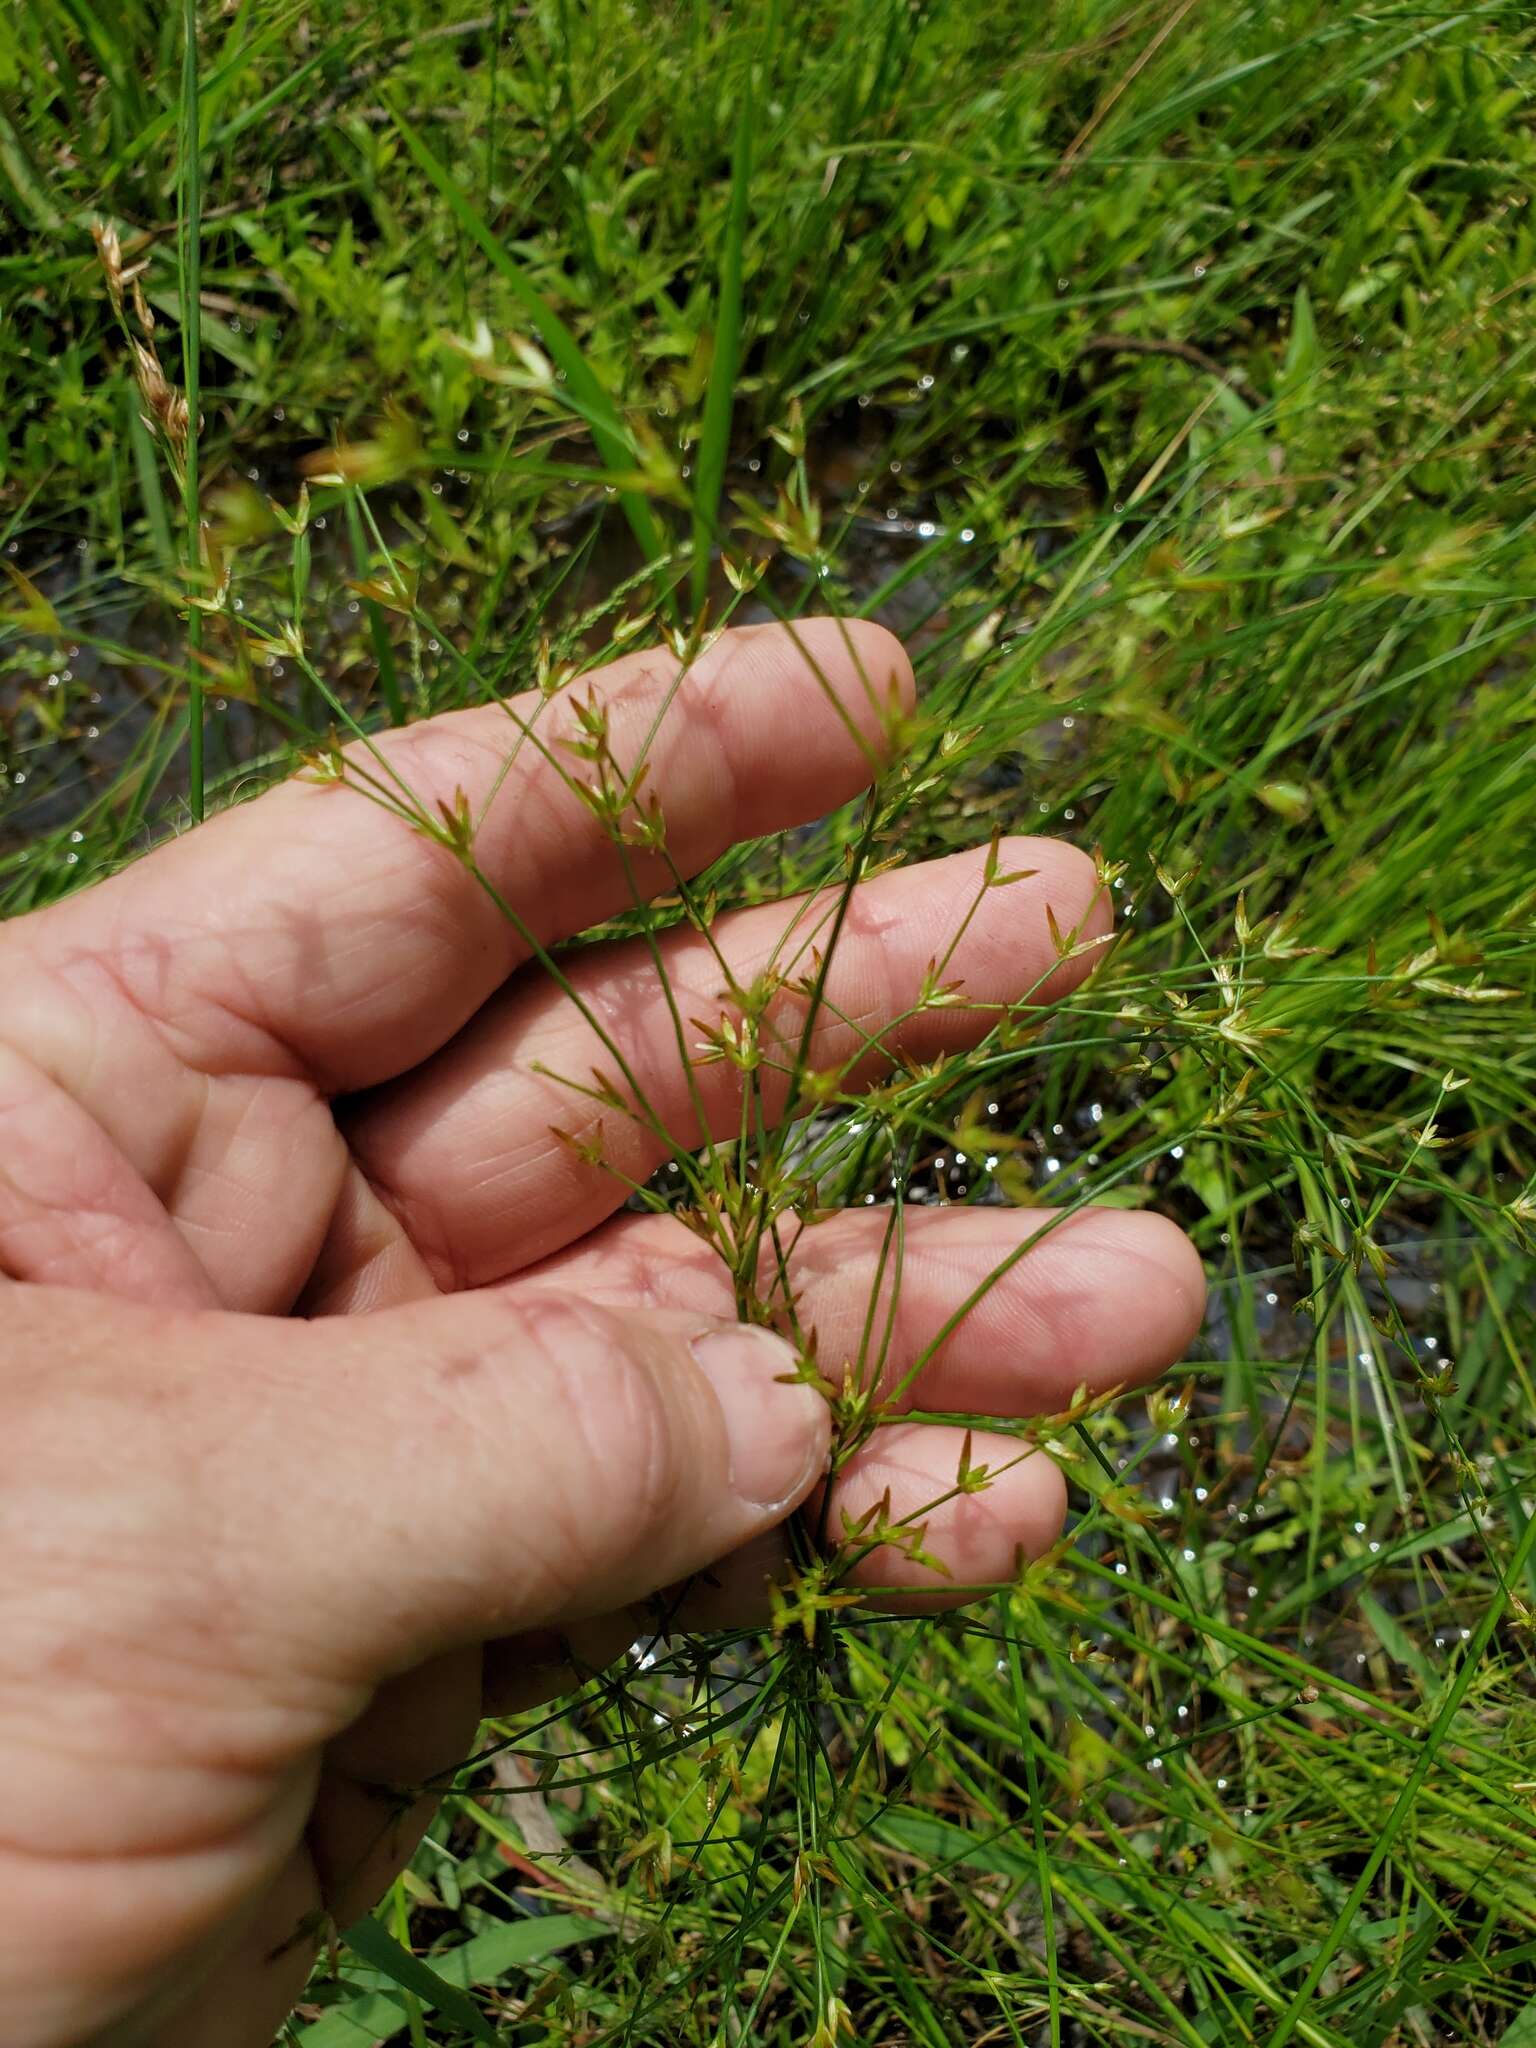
[1164, 373]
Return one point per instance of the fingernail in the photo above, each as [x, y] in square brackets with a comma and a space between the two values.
[777, 1432]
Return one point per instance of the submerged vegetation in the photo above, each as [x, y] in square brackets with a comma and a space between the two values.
[1162, 373]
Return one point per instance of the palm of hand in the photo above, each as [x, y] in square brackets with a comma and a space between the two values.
[299, 1061]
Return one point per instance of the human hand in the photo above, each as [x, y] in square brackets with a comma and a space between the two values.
[341, 1406]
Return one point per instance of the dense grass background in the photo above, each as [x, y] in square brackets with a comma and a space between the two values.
[1164, 372]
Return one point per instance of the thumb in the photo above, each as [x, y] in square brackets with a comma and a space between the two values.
[459, 1469]
[220, 1533]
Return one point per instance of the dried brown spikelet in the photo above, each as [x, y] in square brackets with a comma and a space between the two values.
[110, 250]
[164, 406]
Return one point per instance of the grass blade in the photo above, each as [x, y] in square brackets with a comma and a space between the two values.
[191, 265]
[715, 438]
[376, 1945]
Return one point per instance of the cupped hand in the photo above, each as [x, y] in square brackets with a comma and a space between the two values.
[341, 1405]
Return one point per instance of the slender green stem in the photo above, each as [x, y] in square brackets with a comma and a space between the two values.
[190, 244]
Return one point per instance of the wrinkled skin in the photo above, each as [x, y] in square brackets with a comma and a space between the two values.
[343, 1405]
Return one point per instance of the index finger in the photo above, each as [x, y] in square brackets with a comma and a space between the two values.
[318, 931]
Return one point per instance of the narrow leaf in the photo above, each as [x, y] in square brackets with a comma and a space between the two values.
[715, 438]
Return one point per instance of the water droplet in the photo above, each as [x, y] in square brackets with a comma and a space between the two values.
[1176, 1152]
[462, 435]
[76, 837]
[967, 533]
[926, 529]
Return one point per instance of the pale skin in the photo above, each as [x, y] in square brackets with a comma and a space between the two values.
[342, 1406]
